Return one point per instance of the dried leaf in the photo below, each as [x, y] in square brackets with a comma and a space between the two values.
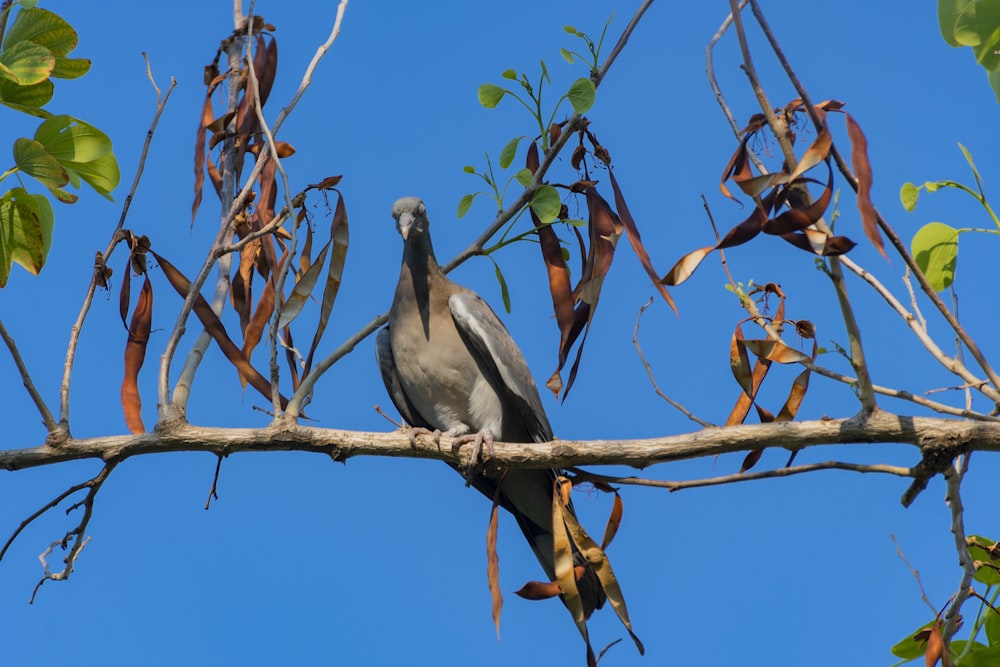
[795, 396]
[340, 235]
[863, 171]
[636, 241]
[493, 565]
[327, 183]
[215, 328]
[614, 521]
[135, 354]
[739, 362]
[818, 151]
[774, 350]
[539, 590]
[563, 557]
[257, 324]
[751, 459]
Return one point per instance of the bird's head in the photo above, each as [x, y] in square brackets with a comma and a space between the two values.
[411, 216]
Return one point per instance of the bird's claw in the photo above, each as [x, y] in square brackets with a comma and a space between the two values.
[480, 441]
[414, 431]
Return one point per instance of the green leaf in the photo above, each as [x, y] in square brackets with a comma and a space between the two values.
[570, 29]
[567, 56]
[957, 21]
[565, 253]
[581, 95]
[508, 152]
[27, 63]
[986, 575]
[546, 203]
[935, 249]
[27, 4]
[469, 169]
[576, 222]
[26, 222]
[43, 28]
[490, 95]
[70, 68]
[908, 648]
[26, 99]
[31, 158]
[978, 655]
[908, 195]
[994, 79]
[524, 177]
[975, 172]
[934, 186]
[101, 174]
[545, 71]
[504, 293]
[509, 74]
[465, 203]
[69, 139]
[992, 627]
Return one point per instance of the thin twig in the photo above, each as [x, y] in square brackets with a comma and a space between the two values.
[98, 274]
[953, 476]
[649, 371]
[743, 477]
[213, 492]
[916, 576]
[79, 533]
[50, 422]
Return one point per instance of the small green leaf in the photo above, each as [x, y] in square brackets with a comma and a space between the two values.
[43, 28]
[490, 95]
[504, 292]
[546, 203]
[581, 95]
[993, 628]
[908, 195]
[27, 4]
[508, 152]
[933, 186]
[69, 139]
[565, 253]
[935, 249]
[465, 203]
[987, 574]
[509, 74]
[101, 174]
[28, 63]
[26, 99]
[524, 177]
[908, 648]
[31, 158]
[567, 56]
[469, 169]
[576, 222]
[968, 158]
[70, 68]
[26, 223]
[570, 29]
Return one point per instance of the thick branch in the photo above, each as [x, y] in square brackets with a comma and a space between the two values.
[943, 438]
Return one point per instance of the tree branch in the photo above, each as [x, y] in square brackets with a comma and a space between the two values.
[936, 437]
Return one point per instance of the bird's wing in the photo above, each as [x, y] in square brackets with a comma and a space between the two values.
[499, 355]
[390, 376]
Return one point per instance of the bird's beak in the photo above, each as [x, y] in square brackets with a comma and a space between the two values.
[404, 223]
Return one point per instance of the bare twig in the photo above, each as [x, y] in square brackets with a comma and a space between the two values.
[916, 576]
[213, 492]
[50, 422]
[742, 477]
[649, 371]
[954, 475]
[78, 534]
[98, 274]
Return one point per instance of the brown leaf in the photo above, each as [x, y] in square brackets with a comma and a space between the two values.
[539, 590]
[135, 354]
[563, 558]
[255, 326]
[818, 151]
[739, 362]
[935, 646]
[614, 521]
[555, 130]
[215, 328]
[339, 234]
[285, 149]
[774, 350]
[751, 459]
[738, 167]
[863, 171]
[633, 236]
[493, 566]
[797, 219]
[327, 183]
[795, 396]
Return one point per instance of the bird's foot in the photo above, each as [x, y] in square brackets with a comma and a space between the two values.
[481, 440]
[414, 431]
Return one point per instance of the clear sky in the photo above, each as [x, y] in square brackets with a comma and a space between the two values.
[381, 562]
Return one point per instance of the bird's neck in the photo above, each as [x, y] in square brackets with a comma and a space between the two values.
[420, 269]
[418, 255]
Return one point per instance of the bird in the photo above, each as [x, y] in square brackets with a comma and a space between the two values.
[450, 366]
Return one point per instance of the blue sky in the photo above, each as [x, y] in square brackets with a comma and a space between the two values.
[305, 561]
